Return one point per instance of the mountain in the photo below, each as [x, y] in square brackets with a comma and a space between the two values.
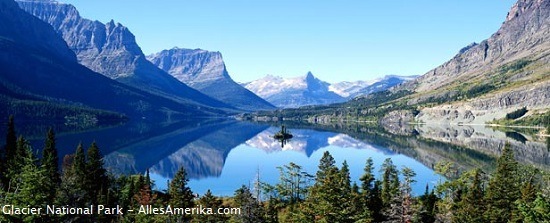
[294, 92]
[482, 83]
[206, 72]
[487, 80]
[42, 79]
[111, 49]
[354, 89]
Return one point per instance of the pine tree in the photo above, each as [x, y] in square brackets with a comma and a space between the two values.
[390, 181]
[29, 180]
[293, 184]
[97, 180]
[406, 192]
[251, 211]
[50, 163]
[210, 201]
[370, 193]
[325, 201]
[426, 210]
[472, 206]
[503, 190]
[344, 206]
[181, 195]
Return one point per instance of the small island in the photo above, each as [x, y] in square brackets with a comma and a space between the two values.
[283, 134]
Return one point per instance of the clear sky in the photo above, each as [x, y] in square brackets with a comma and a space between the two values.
[336, 40]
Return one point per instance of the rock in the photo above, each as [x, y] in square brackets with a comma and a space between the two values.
[206, 72]
[111, 49]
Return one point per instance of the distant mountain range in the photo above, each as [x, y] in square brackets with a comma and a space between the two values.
[350, 90]
[205, 71]
[293, 92]
[309, 90]
[483, 82]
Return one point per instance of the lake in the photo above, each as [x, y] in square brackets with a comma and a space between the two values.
[224, 154]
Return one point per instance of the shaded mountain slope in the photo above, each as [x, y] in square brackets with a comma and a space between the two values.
[40, 72]
[111, 49]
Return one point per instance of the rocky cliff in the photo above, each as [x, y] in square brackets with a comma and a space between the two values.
[524, 34]
[486, 80]
[41, 77]
[206, 72]
[111, 49]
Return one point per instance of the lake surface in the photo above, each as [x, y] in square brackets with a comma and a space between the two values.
[224, 154]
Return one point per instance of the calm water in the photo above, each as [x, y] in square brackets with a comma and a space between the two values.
[223, 154]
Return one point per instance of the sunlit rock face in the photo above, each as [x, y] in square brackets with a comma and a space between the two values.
[206, 72]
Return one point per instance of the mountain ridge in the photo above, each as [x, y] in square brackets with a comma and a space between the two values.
[43, 79]
[481, 84]
[293, 92]
[275, 89]
[111, 49]
[206, 71]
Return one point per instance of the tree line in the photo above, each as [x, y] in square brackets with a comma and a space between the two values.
[513, 193]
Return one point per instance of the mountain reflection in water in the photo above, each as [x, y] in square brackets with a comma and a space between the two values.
[223, 154]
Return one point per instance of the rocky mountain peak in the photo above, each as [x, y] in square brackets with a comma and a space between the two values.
[191, 66]
[309, 75]
[111, 49]
[205, 71]
[523, 6]
[525, 33]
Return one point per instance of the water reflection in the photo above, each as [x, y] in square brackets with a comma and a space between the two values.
[223, 154]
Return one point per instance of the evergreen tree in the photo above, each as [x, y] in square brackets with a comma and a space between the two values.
[358, 207]
[210, 201]
[406, 192]
[346, 199]
[326, 166]
[370, 192]
[97, 180]
[181, 195]
[79, 164]
[251, 210]
[292, 186]
[503, 189]
[536, 211]
[472, 206]
[426, 210]
[29, 190]
[390, 181]
[50, 163]
[326, 199]
[367, 179]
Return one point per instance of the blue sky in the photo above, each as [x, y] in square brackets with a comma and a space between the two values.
[335, 40]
